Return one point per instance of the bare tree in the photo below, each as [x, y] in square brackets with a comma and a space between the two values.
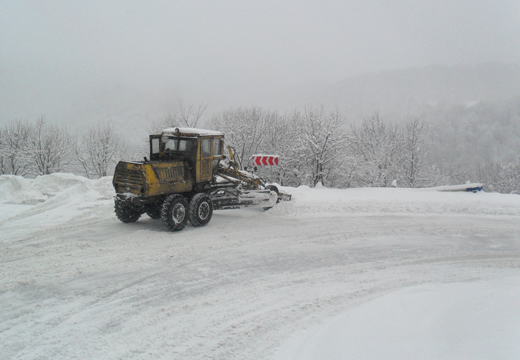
[377, 145]
[3, 153]
[309, 143]
[244, 129]
[190, 115]
[3, 165]
[414, 151]
[14, 144]
[500, 177]
[51, 148]
[279, 136]
[183, 116]
[321, 140]
[100, 149]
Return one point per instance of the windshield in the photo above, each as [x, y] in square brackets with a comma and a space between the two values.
[176, 145]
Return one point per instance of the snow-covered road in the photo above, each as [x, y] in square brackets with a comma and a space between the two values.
[77, 284]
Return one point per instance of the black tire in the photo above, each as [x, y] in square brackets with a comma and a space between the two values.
[200, 209]
[126, 211]
[174, 212]
[154, 211]
[275, 189]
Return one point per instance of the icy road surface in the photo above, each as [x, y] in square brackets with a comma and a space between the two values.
[329, 266]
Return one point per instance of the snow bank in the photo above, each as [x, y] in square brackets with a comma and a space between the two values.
[309, 202]
[44, 193]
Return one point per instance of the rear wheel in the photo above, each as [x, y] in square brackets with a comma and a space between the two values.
[174, 212]
[126, 211]
[200, 209]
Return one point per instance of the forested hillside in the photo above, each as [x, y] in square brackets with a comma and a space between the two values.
[398, 94]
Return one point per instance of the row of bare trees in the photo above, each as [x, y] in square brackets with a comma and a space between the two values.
[317, 146]
[40, 148]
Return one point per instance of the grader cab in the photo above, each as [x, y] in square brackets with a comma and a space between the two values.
[185, 178]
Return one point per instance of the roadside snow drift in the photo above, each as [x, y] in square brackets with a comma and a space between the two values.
[333, 274]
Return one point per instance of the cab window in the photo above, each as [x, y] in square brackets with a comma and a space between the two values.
[217, 149]
[206, 147]
[155, 146]
[170, 145]
[184, 145]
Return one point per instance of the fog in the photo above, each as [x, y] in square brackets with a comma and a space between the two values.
[80, 62]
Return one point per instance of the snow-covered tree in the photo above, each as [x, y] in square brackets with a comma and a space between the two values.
[377, 145]
[244, 130]
[14, 144]
[51, 148]
[413, 152]
[503, 178]
[281, 137]
[321, 141]
[99, 150]
[308, 143]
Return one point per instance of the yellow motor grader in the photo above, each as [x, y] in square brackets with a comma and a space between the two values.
[185, 178]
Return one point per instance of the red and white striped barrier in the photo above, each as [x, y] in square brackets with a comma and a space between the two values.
[265, 159]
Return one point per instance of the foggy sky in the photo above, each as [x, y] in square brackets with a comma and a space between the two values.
[98, 59]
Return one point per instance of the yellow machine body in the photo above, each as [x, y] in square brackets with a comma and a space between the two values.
[181, 161]
[152, 178]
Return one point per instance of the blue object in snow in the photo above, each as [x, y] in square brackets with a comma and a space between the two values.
[475, 189]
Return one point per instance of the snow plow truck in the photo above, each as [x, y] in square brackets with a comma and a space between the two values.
[186, 177]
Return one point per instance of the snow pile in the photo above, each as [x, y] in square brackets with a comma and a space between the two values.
[19, 190]
[52, 198]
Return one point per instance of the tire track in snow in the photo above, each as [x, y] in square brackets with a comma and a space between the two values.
[228, 290]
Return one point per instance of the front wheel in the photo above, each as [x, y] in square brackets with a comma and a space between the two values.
[126, 211]
[174, 213]
[275, 189]
[200, 209]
